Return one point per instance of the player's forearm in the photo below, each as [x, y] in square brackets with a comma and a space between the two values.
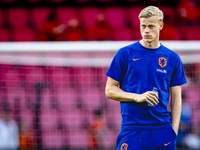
[176, 106]
[118, 94]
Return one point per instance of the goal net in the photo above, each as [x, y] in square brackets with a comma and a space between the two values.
[55, 92]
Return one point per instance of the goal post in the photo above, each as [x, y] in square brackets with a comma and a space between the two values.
[41, 52]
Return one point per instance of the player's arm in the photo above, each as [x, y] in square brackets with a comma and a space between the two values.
[176, 106]
[113, 91]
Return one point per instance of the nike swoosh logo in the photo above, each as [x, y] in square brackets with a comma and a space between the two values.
[136, 59]
[167, 144]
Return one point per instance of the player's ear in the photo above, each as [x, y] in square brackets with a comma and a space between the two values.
[161, 25]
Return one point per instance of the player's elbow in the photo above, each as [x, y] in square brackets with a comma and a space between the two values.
[111, 88]
[108, 92]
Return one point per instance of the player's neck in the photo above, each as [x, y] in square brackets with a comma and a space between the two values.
[153, 44]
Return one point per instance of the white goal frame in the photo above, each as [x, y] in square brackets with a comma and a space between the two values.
[33, 53]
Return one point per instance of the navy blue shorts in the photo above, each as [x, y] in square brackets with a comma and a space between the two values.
[161, 139]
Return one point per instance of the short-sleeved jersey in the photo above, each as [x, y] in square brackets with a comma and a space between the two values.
[139, 69]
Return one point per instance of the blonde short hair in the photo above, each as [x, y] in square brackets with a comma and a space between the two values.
[151, 11]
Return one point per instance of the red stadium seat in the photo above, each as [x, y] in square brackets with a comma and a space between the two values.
[169, 11]
[16, 98]
[10, 77]
[66, 13]
[113, 104]
[109, 138]
[136, 35]
[192, 33]
[39, 15]
[85, 77]
[169, 14]
[193, 97]
[127, 34]
[124, 34]
[49, 120]
[134, 13]
[195, 117]
[78, 139]
[169, 32]
[66, 98]
[103, 77]
[117, 116]
[35, 74]
[115, 17]
[52, 139]
[4, 35]
[18, 18]
[90, 16]
[25, 35]
[72, 118]
[59, 76]
[92, 100]
[99, 72]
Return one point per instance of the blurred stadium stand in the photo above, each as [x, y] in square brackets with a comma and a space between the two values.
[122, 15]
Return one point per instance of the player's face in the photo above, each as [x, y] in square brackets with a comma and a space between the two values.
[150, 28]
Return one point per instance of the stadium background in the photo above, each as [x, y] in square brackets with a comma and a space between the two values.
[56, 95]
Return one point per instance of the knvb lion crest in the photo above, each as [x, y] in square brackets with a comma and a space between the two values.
[162, 62]
[124, 146]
